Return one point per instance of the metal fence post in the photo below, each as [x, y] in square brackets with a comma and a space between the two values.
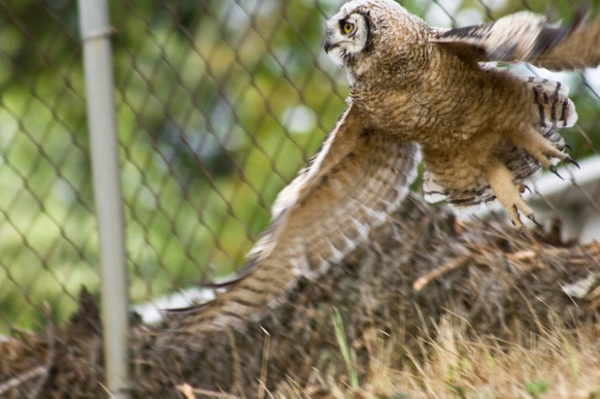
[95, 32]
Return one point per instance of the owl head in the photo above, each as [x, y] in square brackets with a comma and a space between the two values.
[374, 36]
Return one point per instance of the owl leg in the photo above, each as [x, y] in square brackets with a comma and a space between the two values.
[507, 193]
[540, 148]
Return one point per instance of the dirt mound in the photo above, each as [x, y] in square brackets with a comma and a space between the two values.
[416, 271]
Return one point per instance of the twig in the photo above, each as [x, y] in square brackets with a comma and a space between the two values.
[106, 390]
[522, 255]
[454, 264]
[40, 371]
[51, 349]
[237, 369]
[20, 379]
[189, 392]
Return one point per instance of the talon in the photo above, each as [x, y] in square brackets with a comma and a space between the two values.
[515, 219]
[568, 148]
[532, 218]
[571, 160]
[555, 171]
[523, 232]
[525, 187]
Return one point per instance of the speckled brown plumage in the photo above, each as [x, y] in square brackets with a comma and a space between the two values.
[357, 178]
[483, 133]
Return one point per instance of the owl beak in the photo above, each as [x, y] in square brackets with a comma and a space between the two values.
[328, 44]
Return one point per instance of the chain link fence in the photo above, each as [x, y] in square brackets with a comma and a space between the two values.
[219, 103]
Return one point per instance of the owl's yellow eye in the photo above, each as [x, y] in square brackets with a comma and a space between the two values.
[347, 28]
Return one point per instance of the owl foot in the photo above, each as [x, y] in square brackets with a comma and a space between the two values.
[542, 149]
[507, 193]
[520, 226]
[516, 211]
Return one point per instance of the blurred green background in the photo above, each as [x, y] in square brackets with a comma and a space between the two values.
[219, 103]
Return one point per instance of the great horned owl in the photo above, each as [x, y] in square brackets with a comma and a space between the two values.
[483, 132]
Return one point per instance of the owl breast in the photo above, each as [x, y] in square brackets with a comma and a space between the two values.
[448, 107]
[413, 116]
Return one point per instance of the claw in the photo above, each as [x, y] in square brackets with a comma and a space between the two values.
[568, 148]
[555, 171]
[532, 218]
[523, 232]
[515, 219]
[525, 187]
[571, 160]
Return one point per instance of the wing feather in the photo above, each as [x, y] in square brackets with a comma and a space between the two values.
[351, 189]
[353, 183]
[526, 36]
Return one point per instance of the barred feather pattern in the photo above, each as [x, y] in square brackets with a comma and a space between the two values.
[483, 133]
[525, 36]
[356, 179]
[551, 110]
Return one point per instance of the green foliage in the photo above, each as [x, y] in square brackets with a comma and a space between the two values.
[347, 354]
[206, 97]
[457, 390]
[536, 388]
[219, 103]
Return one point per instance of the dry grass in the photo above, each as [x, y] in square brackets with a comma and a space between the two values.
[538, 349]
[558, 365]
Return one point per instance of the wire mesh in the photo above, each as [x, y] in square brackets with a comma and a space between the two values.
[47, 232]
[219, 103]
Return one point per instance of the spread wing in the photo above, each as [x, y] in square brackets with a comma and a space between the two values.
[529, 37]
[356, 179]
